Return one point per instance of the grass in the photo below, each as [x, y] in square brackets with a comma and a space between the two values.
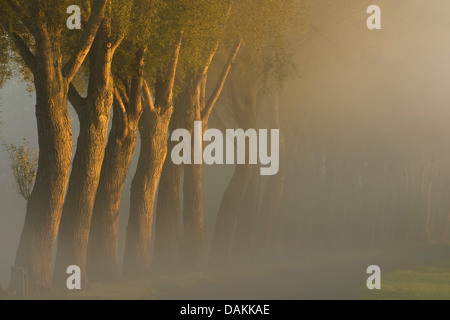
[430, 282]
[152, 288]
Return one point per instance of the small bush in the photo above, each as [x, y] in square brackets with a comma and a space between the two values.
[23, 166]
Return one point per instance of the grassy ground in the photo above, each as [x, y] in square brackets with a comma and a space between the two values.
[326, 276]
[420, 283]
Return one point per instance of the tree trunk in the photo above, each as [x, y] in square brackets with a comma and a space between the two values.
[153, 129]
[231, 202]
[247, 218]
[194, 241]
[194, 249]
[104, 238]
[93, 113]
[44, 207]
[167, 229]
[51, 81]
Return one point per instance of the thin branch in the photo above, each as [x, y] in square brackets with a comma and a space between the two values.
[123, 117]
[23, 14]
[25, 53]
[117, 43]
[148, 95]
[171, 73]
[123, 92]
[221, 82]
[135, 105]
[87, 38]
[203, 90]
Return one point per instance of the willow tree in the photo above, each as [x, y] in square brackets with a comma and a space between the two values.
[158, 94]
[38, 31]
[204, 34]
[266, 28]
[93, 112]
[5, 56]
[135, 61]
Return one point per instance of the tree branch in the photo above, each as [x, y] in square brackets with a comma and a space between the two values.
[77, 101]
[88, 36]
[171, 73]
[203, 90]
[117, 43]
[120, 85]
[25, 53]
[23, 14]
[148, 96]
[123, 117]
[135, 105]
[221, 82]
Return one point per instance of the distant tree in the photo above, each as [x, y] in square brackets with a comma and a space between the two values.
[203, 36]
[263, 66]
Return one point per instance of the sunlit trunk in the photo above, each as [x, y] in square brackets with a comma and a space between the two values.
[153, 129]
[103, 239]
[93, 113]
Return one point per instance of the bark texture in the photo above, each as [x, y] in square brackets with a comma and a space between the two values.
[51, 79]
[153, 129]
[153, 132]
[168, 219]
[93, 113]
[103, 239]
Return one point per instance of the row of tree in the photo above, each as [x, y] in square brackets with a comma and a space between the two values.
[159, 65]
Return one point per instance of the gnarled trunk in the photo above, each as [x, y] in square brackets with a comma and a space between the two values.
[168, 219]
[44, 207]
[51, 80]
[93, 113]
[153, 128]
[103, 237]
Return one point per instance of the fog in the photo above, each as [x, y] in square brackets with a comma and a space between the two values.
[365, 107]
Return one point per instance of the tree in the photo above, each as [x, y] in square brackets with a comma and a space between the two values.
[203, 35]
[265, 62]
[157, 26]
[38, 31]
[93, 113]
[103, 239]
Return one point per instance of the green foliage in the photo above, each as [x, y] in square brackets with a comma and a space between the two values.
[267, 27]
[23, 166]
[204, 30]
[5, 69]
